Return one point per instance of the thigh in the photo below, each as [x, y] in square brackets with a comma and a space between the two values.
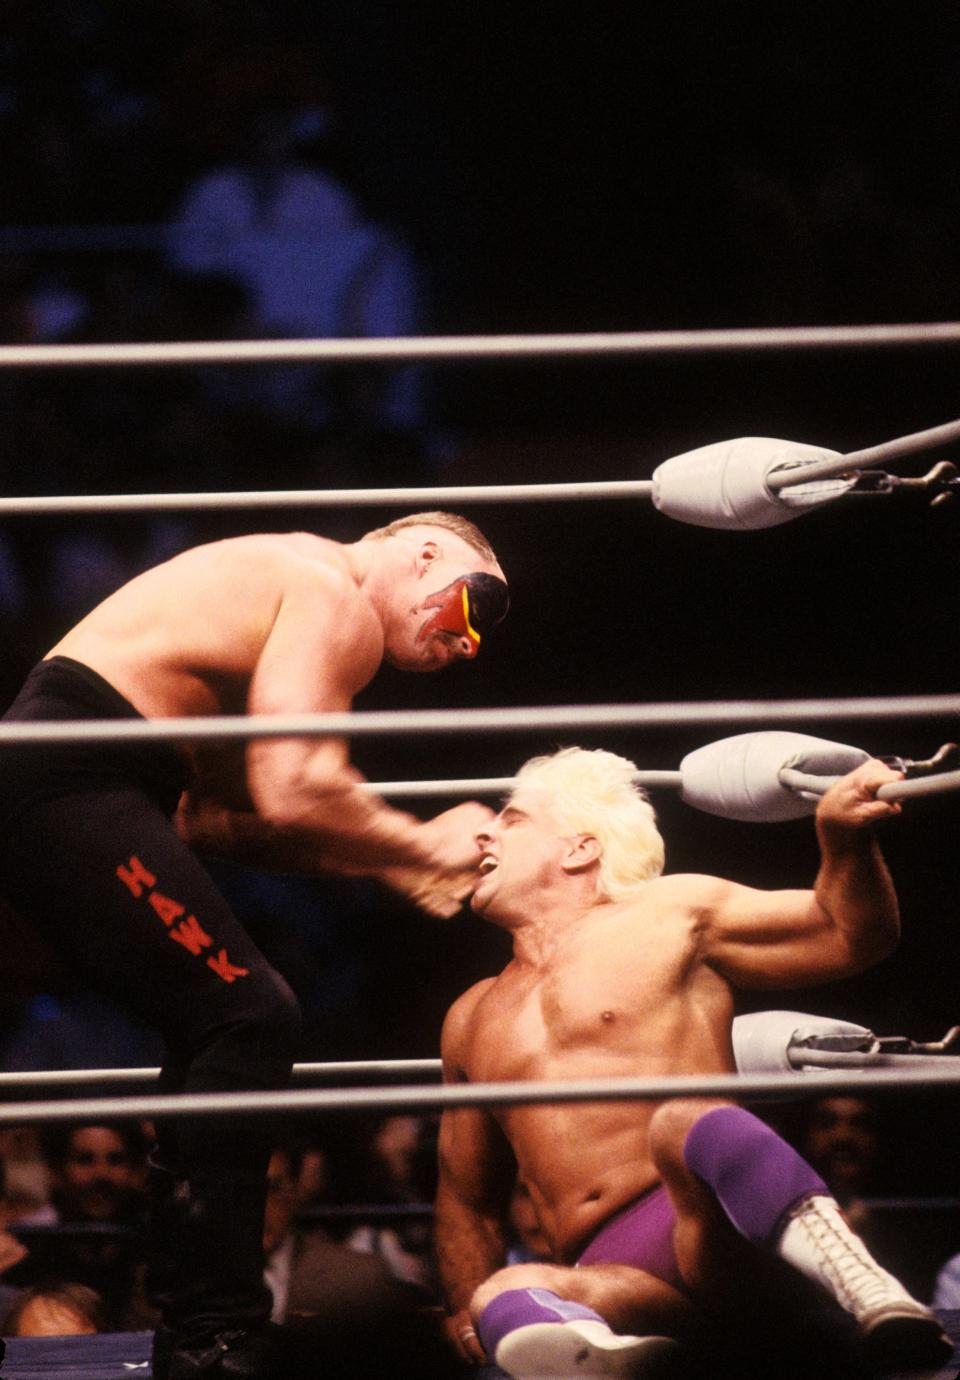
[109, 881]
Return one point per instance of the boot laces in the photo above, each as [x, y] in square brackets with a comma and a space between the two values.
[861, 1283]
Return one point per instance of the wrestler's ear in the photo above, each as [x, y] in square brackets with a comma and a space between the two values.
[583, 850]
[428, 553]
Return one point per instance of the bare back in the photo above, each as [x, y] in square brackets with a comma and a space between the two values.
[624, 994]
[185, 637]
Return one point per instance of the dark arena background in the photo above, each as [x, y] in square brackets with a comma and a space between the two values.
[504, 168]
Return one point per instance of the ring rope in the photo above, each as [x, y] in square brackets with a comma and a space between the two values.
[367, 1068]
[437, 496]
[545, 718]
[937, 784]
[456, 495]
[881, 454]
[803, 1058]
[424, 1097]
[406, 348]
[816, 1059]
[497, 785]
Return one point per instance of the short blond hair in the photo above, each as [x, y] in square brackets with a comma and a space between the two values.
[594, 792]
[460, 526]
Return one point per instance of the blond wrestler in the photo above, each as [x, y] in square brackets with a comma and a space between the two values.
[619, 971]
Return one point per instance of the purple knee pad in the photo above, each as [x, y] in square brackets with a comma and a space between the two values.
[521, 1307]
[756, 1176]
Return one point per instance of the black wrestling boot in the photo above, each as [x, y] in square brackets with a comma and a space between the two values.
[251, 1354]
[206, 1277]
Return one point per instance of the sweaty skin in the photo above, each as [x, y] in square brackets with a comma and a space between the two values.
[621, 994]
[601, 989]
[289, 623]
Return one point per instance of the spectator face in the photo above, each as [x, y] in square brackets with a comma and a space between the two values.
[97, 1180]
[841, 1143]
[396, 1143]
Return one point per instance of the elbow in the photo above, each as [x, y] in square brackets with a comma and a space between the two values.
[296, 792]
[866, 951]
[290, 813]
[277, 803]
[295, 804]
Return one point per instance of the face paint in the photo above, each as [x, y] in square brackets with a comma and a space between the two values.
[469, 607]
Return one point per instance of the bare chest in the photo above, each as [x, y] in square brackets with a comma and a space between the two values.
[608, 1001]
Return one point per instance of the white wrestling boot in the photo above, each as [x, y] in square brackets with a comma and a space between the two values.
[564, 1351]
[899, 1331]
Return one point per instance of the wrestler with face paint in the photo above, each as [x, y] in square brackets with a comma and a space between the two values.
[265, 623]
[467, 609]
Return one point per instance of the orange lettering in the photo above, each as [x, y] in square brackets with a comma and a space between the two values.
[136, 876]
[168, 909]
[191, 936]
[223, 968]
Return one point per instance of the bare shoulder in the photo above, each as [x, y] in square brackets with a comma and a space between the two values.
[693, 892]
[307, 579]
[305, 586]
[458, 1022]
[289, 558]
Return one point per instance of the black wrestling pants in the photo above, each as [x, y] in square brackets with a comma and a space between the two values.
[109, 881]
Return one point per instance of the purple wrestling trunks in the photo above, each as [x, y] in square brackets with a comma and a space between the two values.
[641, 1234]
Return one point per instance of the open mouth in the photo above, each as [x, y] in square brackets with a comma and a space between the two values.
[487, 865]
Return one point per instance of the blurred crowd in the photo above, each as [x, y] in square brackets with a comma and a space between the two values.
[180, 172]
[347, 1236]
[205, 170]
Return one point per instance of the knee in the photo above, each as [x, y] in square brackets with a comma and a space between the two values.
[670, 1125]
[261, 1033]
[526, 1276]
[278, 1019]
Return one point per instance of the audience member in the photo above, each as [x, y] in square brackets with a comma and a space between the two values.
[841, 1139]
[399, 1171]
[850, 1142]
[97, 1175]
[341, 1308]
[55, 1310]
[290, 233]
[98, 1171]
[26, 1196]
[12, 1251]
[309, 1273]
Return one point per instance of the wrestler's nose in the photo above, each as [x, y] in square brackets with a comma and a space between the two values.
[467, 647]
[482, 838]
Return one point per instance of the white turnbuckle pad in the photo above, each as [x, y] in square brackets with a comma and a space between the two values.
[739, 777]
[724, 485]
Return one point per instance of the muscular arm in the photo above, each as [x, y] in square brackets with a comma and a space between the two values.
[476, 1175]
[224, 830]
[323, 647]
[307, 812]
[847, 922]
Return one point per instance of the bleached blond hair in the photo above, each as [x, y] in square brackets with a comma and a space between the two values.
[589, 791]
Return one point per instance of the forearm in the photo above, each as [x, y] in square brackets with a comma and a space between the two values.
[470, 1246]
[350, 830]
[856, 892]
[317, 806]
[337, 839]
